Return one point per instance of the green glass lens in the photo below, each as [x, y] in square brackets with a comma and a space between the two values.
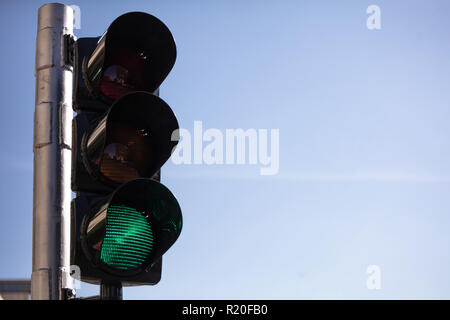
[128, 240]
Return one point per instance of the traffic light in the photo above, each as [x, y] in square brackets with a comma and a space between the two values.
[123, 218]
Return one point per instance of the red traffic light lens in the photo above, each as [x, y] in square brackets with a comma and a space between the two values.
[124, 72]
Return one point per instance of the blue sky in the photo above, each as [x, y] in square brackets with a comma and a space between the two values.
[364, 174]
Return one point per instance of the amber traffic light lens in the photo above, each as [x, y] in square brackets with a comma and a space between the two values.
[127, 153]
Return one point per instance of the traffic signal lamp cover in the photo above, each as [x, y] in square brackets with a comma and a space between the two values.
[128, 240]
[133, 140]
[133, 229]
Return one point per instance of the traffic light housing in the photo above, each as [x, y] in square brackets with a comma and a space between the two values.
[123, 218]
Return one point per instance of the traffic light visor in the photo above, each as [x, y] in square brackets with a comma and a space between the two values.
[135, 228]
[136, 53]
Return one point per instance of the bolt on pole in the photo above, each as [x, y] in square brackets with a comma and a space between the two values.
[52, 146]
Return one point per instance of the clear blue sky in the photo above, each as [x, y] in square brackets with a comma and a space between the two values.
[364, 173]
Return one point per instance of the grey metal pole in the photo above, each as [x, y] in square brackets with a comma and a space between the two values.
[52, 153]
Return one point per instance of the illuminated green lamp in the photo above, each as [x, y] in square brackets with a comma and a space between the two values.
[134, 228]
[128, 240]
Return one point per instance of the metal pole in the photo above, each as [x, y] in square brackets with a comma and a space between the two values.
[110, 290]
[52, 153]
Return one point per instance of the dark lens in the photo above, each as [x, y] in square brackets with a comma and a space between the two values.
[127, 153]
[123, 72]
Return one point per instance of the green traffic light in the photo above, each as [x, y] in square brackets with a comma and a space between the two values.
[128, 239]
[136, 225]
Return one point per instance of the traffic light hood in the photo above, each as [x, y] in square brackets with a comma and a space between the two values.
[133, 229]
[136, 53]
[133, 140]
